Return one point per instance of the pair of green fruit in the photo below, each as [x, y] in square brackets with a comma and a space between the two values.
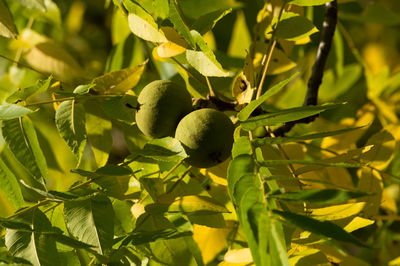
[165, 109]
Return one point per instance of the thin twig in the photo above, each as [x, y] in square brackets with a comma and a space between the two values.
[23, 65]
[210, 88]
[328, 30]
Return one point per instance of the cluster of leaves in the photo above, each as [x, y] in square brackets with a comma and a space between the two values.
[79, 183]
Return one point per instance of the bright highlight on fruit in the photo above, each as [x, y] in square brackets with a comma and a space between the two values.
[207, 136]
[162, 104]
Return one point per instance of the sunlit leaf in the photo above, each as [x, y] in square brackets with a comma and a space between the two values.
[98, 128]
[293, 27]
[284, 116]
[308, 2]
[37, 4]
[320, 196]
[196, 204]
[281, 140]
[337, 212]
[165, 149]
[33, 246]
[119, 81]
[7, 26]
[52, 58]
[204, 60]
[20, 135]
[179, 24]
[325, 228]
[10, 193]
[91, 221]
[24, 93]
[246, 112]
[12, 111]
[70, 122]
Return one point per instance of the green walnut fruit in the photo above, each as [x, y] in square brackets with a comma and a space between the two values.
[162, 104]
[207, 136]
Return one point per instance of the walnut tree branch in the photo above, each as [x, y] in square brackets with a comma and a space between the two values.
[328, 30]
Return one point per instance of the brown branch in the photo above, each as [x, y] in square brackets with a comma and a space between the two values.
[328, 30]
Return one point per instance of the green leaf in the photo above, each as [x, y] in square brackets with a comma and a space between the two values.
[179, 24]
[25, 93]
[70, 122]
[320, 196]
[37, 4]
[204, 61]
[7, 26]
[12, 111]
[238, 167]
[98, 128]
[142, 24]
[242, 185]
[250, 210]
[121, 108]
[324, 228]
[207, 22]
[293, 27]
[10, 193]
[284, 116]
[281, 140]
[66, 240]
[38, 249]
[113, 179]
[119, 81]
[165, 149]
[246, 112]
[83, 89]
[196, 204]
[91, 221]
[192, 8]
[277, 243]
[308, 2]
[270, 163]
[242, 146]
[13, 224]
[143, 237]
[20, 135]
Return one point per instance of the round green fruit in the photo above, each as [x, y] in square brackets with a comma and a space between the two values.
[162, 104]
[207, 136]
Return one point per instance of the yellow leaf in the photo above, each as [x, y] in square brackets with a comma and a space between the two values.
[146, 30]
[280, 62]
[211, 241]
[371, 181]
[242, 89]
[309, 256]
[241, 39]
[394, 262]
[388, 203]
[357, 223]
[338, 211]
[119, 81]
[169, 49]
[52, 58]
[192, 203]
[137, 209]
[382, 152]
[217, 173]
[238, 256]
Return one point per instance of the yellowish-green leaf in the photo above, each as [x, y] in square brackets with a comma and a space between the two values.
[145, 28]
[196, 204]
[7, 26]
[119, 81]
[293, 27]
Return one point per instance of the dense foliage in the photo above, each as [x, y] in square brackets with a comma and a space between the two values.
[313, 174]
